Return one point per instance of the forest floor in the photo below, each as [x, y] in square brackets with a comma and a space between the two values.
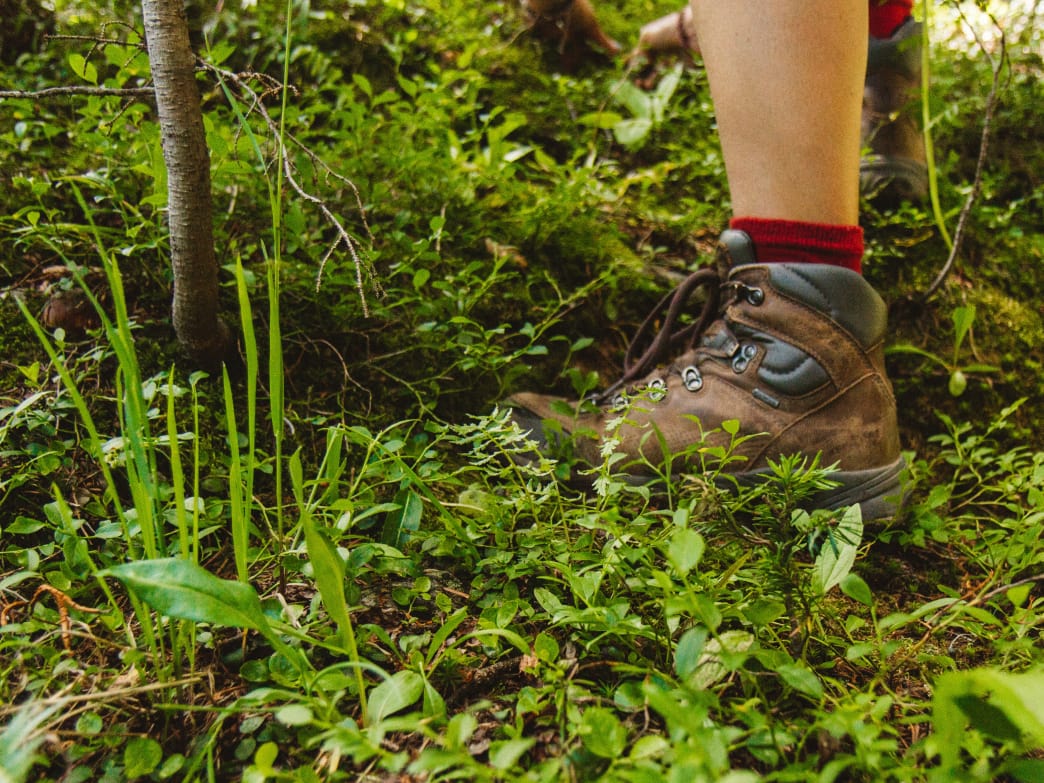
[319, 565]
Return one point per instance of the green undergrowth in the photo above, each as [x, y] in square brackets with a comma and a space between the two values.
[338, 559]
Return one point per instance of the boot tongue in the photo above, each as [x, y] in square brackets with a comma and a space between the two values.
[735, 248]
[719, 341]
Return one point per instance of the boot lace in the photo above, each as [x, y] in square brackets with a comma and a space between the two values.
[667, 340]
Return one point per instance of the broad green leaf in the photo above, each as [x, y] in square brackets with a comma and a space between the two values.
[294, 715]
[630, 132]
[89, 723]
[328, 570]
[602, 733]
[962, 321]
[649, 746]
[664, 90]
[714, 664]
[685, 550]
[636, 100]
[688, 652]
[141, 756]
[957, 384]
[546, 648]
[856, 588]
[801, 679]
[763, 611]
[404, 520]
[859, 650]
[459, 730]
[603, 120]
[1004, 706]
[179, 588]
[363, 84]
[82, 68]
[433, 705]
[838, 554]
[394, 694]
[504, 755]
[265, 757]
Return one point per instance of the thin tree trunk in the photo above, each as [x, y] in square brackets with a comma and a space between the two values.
[200, 331]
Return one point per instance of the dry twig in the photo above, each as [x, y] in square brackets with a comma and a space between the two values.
[992, 99]
[364, 271]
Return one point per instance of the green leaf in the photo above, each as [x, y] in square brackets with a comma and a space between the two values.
[635, 99]
[602, 733]
[265, 757]
[1004, 706]
[179, 588]
[328, 569]
[838, 554]
[82, 68]
[962, 321]
[603, 120]
[859, 650]
[688, 652]
[685, 550]
[89, 723]
[664, 90]
[801, 679]
[1025, 770]
[631, 132]
[404, 520]
[856, 588]
[294, 715]
[448, 627]
[20, 738]
[720, 656]
[763, 611]
[649, 746]
[434, 706]
[363, 84]
[141, 756]
[504, 755]
[459, 730]
[394, 694]
[958, 383]
[546, 648]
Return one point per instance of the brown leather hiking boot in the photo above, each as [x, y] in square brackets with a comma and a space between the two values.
[795, 356]
[894, 169]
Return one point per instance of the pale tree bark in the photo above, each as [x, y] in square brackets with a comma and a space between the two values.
[201, 332]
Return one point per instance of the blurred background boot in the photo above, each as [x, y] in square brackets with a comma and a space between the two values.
[571, 24]
[893, 166]
[894, 169]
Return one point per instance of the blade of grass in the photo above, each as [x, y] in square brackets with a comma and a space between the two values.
[238, 506]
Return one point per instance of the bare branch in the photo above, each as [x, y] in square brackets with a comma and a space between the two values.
[364, 271]
[991, 105]
[52, 92]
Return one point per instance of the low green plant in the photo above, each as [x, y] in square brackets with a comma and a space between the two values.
[956, 368]
[431, 598]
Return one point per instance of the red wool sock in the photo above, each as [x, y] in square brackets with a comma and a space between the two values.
[807, 243]
[887, 15]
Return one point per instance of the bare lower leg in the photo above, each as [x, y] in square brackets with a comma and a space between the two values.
[787, 83]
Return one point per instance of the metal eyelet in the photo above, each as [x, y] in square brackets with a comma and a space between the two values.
[692, 379]
[617, 403]
[743, 356]
[755, 296]
[656, 389]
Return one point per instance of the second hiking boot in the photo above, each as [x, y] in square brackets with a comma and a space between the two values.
[894, 168]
